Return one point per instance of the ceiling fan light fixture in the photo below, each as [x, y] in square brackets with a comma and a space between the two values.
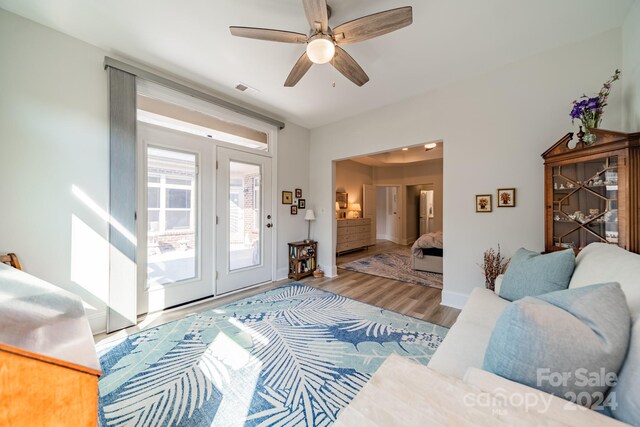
[321, 49]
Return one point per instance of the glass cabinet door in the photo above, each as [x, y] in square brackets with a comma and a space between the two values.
[585, 203]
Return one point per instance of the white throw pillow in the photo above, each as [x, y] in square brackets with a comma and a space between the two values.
[603, 263]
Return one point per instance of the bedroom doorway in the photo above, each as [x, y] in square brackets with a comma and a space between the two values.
[401, 197]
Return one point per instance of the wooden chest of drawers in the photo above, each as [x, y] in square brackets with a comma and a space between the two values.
[353, 234]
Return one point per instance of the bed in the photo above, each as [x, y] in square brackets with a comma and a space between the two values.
[426, 253]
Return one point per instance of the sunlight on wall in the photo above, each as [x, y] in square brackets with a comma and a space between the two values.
[84, 198]
[121, 311]
[88, 252]
[225, 362]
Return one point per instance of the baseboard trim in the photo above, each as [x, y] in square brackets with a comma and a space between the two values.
[333, 271]
[98, 322]
[282, 273]
[454, 299]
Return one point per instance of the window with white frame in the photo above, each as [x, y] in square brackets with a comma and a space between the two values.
[171, 191]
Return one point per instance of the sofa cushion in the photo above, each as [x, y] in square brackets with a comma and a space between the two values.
[467, 340]
[483, 307]
[627, 392]
[561, 332]
[531, 274]
[601, 262]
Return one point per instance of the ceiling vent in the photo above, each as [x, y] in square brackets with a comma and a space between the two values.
[243, 87]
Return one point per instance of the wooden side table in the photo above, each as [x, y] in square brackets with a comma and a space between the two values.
[302, 259]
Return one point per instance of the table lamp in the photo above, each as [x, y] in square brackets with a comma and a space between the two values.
[309, 216]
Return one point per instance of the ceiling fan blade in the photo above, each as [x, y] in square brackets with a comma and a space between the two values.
[375, 25]
[299, 70]
[316, 11]
[268, 34]
[348, 66]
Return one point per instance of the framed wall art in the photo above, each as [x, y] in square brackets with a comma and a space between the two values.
[483, 203]
[506, 197]
[287, 198]
[342, 200]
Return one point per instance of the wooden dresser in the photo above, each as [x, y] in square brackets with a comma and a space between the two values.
[353, 234]
[48, 364]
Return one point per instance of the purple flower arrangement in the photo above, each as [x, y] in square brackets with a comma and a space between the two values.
[589, 110]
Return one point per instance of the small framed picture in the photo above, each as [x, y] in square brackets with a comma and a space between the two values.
[302, 203]
[294, 210]
[287, 197]
[483, 203]
[506, 197]
[298, 193]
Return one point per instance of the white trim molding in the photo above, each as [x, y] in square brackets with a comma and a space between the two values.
[454, 299]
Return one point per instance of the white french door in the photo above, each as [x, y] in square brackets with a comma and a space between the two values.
[244, 230]
[176, 217]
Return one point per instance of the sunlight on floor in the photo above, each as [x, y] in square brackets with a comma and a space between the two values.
[254, 334]
[226, 363]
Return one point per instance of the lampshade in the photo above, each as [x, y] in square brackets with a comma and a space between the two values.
[355, 207]
[321, 49]
[337, 206]
[309, 215]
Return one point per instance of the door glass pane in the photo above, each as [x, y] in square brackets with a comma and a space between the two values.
[172, 221]
[245, 207]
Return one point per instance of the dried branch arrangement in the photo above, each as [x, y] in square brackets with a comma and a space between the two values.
[493, 265]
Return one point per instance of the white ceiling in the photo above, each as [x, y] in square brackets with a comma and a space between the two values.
[448, 41]
[411, 155]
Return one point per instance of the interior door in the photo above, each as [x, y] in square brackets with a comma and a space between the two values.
[369, 208]
[244, 220]
[394, 214]
[176, 210]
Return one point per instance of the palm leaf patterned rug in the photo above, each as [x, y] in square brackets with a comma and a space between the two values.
[396, 265]
[291, 356]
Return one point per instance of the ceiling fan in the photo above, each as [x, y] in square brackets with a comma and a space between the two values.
[323, 42]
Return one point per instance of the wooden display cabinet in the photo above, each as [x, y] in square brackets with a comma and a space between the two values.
[592, 192]
[302, 259]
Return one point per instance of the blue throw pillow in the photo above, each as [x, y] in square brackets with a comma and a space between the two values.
[557, 341]
[531, 274]
[626, 393]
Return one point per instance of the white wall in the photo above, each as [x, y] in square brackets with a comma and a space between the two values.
[494, 128]
[350, 177]
[293, 172]
[631, 68]
[54, 134]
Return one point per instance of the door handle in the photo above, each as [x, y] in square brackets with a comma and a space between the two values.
[269, 225]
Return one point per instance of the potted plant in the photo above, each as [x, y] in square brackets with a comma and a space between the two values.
[589, 110]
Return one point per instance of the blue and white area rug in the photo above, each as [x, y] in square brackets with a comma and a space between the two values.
[292, 356]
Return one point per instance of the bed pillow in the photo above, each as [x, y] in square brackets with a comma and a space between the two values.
[531, 274]
[572, 332]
